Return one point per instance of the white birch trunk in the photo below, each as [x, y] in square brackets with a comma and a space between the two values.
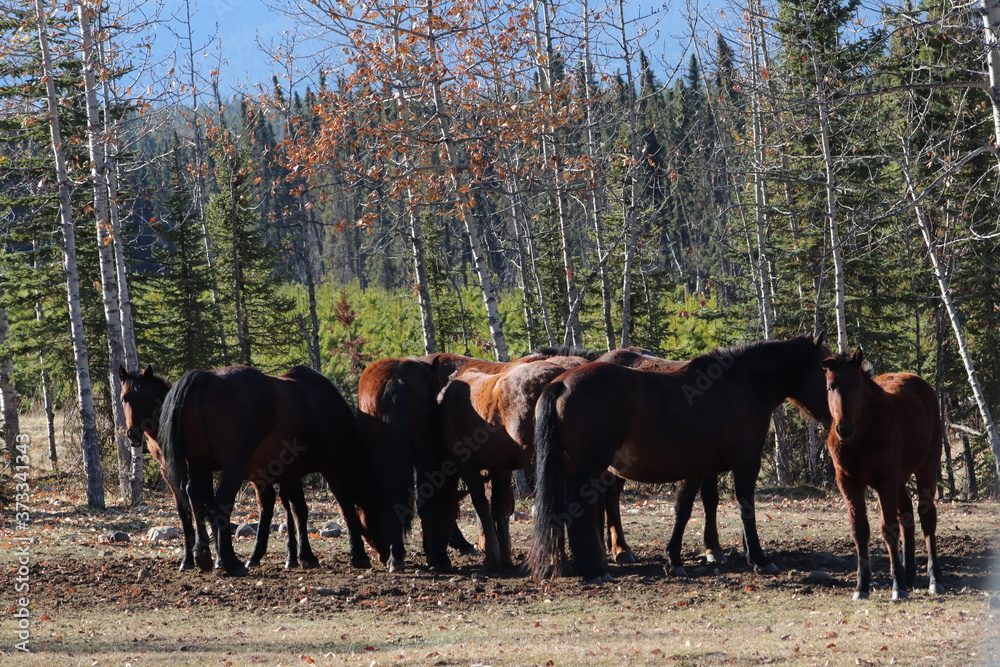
[940, 275]
[85, 396]
[105, 249]
[991, 21]
[467, 212]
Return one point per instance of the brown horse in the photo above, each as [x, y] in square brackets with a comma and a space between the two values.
[885, 430]
[489, 422]
[399, 424]
[709, 417]
[634, 357]
[142, 396]
[266, 429]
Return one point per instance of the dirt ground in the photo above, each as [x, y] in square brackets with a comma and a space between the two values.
[91, 601]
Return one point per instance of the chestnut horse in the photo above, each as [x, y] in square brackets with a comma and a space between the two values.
[399, 425]
[708, 417]
[488, 422]
[265, 429]
[885, 430]
[142, 397]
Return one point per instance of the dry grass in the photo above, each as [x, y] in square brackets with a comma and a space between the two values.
[89, 607]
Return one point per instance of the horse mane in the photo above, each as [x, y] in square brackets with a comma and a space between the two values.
[757, 348]
[866, 367]
[567, 351]
[132, 379]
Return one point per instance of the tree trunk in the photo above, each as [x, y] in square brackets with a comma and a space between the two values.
[467, 212]
[106, 255]
[991, 21]
[593, 208]
[85, 396]
[420, 272]
[955, 319]
[631, 206]
[8, 394]
[972, 488]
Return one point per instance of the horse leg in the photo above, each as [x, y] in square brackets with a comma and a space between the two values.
[888, 500]
[710, 501]
[220, 513]
[187, 525]
[584, 502]
[299, 551]
[265, 501]
[291, 532]
[854, 498]
[457, 541]
[491, 542]
[682, 513]
[359, 555]
[926, 489]
[199, 493]
[501, 507]
[438, 508]
[744, 481]
[621, 552]
[904, 514]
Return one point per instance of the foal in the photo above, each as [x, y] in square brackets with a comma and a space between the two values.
[884, 430]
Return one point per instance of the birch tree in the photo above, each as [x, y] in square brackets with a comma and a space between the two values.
[81, 358]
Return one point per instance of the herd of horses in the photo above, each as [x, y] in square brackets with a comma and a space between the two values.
[577, 423]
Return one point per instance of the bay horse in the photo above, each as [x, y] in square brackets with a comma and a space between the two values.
[602, 419]
[400, 426]
[488, 421]
[621, 553]
[266, 429]
[142, 396]
[885, 430]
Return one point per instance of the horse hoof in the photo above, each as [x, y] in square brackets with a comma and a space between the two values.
[203, 559]
[594, 581]
[395, 568]
[309, 563]
[716, 556]
[675, 571]
[625, 558]
[936, 589]
[899, 596]
[607, 578]
[471, 551]
[860, 595]
[291, 564]
[238, 571]
[770, 568]
[253, 563]
[187, 564]
[361, 562]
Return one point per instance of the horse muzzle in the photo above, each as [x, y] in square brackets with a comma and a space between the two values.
[845, 432]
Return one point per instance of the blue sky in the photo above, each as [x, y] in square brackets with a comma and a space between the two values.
[240, 25]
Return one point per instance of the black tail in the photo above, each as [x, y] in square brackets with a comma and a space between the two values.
[550, 490]
[396, 464]
[175, 467]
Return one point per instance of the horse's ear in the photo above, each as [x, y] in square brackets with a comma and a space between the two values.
[858, 356]
[122, 373]
[148, 373]
[820, 338]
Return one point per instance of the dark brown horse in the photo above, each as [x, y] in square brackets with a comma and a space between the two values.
[885, 430]
[488, 421]
[142, 396]
[399, 424]
[641, 359]
[266, 429]
[709, 417]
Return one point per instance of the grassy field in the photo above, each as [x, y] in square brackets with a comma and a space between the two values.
[93, 602]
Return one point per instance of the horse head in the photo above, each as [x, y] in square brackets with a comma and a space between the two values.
[845, 381]
[142, 397]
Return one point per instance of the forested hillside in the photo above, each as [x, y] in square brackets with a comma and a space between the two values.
[484, 179]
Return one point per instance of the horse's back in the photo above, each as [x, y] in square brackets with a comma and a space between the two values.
[917, 416]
